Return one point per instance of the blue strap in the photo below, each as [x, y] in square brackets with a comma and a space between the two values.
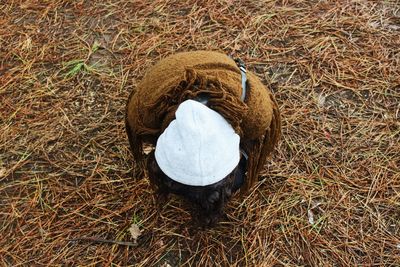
[243, 71]
[244, 154]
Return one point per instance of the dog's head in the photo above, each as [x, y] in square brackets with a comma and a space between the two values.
[207, 202]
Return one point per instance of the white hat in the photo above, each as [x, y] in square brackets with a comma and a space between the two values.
[199, 147]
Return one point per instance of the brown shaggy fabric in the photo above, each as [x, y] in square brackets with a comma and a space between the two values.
[151, 107]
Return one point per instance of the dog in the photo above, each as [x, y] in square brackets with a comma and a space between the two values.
[212, 125]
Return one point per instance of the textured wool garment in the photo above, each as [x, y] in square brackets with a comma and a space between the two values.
[151, 107]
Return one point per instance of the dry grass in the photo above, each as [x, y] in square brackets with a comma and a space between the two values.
[330, 195]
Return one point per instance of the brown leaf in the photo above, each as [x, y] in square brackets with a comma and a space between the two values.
[135, 231]
[3, 172]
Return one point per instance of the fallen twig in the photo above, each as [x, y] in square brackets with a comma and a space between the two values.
[106, 241]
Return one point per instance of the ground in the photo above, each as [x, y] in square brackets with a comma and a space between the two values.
[329, 195]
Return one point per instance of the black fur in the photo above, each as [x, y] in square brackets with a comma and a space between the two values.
[207, 201]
